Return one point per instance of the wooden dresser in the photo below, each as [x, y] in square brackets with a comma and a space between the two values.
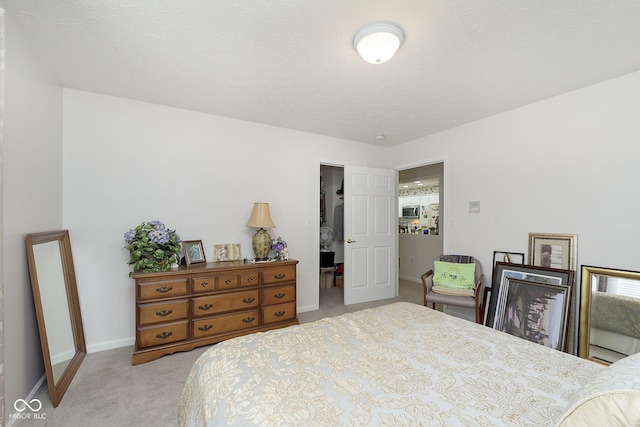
[202, 304]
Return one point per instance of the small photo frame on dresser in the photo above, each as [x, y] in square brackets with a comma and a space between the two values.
[227, 252]
[193, 252]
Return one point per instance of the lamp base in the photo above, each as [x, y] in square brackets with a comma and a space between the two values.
[261, 244]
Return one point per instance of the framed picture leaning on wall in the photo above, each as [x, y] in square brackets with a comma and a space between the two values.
[534, 311]
[542, 275]
[504, 256]
[553, 250]
[500, 256]
[509, 257]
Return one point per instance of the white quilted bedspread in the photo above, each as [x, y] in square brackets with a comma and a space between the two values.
[395, 365]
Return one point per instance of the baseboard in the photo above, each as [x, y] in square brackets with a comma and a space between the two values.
[110, 345]
[410, 278]
[11, 420]
[306, 308]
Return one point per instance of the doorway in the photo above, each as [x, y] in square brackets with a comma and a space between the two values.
[331, 251]
[421, 234]
[364, 232]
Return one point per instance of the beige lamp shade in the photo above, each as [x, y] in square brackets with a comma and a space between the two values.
[261, 219]
[260, 216]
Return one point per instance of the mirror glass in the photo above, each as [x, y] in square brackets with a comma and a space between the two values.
[609, 314]
[57, 308]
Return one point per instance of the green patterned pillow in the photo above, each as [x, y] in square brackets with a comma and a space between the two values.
[454, 275]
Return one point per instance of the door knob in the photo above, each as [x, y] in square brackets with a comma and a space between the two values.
[350, 241]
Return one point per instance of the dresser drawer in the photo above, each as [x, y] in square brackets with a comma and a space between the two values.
[164, 289]
[283, 273]
[278, 294]
[223, 324]
[162, 334]
[278, 313]
[163, 311]
[214, 304]
[227, 282]
[204, 284]
[252, 279]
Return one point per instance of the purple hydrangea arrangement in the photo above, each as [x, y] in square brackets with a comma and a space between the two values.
[152, 247]
[280, 246]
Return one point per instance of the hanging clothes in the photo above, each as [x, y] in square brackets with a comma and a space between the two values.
[338, 222]
[323, 207]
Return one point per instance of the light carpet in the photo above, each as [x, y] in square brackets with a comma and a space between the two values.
[108, 391]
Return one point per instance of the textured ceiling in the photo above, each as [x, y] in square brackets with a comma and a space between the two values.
[290, 63]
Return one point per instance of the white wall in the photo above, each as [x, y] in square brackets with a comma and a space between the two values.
[126, 162]
[417, 253]
[534, 169]
[568, 164]
[32, 199]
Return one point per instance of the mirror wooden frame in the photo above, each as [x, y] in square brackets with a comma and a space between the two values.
[587, 274]
[57, 389]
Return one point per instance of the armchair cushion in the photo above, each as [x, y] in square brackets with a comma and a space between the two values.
[456, 292]
[454, 275]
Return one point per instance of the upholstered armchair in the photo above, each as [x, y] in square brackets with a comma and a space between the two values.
[471, 297]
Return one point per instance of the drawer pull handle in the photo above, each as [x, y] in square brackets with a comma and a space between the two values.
[279, 276]
[248, 319]
[164, 289]
[227, 282]
[250, 279]
[279, 295]
[205, 306]
[205, 284]
[279, 313]
[164, 312]
[248, 300]
[164, 335]
[205, 328]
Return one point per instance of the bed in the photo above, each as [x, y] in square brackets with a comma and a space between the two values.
[398, 364]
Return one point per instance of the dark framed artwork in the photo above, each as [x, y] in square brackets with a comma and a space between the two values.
[508, 257]
[500, 256]
[553, 250]
[193, 252]
[534, 311]
[542, 275]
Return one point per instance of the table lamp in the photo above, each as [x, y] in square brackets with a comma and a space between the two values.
[261, 219]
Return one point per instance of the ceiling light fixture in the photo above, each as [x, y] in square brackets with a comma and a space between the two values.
[378, 42]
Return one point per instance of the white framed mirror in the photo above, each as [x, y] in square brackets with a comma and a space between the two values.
[57, 307]
[609, 314]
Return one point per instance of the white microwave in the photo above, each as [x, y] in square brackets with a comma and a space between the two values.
[411, 212]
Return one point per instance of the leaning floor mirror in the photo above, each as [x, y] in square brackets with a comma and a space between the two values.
[55, 296]
[609, 314]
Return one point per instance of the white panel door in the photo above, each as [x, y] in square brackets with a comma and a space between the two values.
[370, 229]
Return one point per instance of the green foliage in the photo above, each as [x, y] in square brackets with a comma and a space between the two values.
[152, 247]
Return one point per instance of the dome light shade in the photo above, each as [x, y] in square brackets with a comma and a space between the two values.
[378, 42]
